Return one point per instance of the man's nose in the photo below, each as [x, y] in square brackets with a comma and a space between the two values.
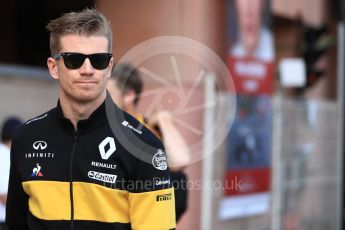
[87, 67]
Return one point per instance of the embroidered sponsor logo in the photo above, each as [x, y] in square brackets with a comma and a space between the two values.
[163, 197]
[40, 145]
[162, 182]
[126, 123]
[109, 178]
[159, 160]
[39, 155]
[112, 148]
[103, 165]
[36, 171]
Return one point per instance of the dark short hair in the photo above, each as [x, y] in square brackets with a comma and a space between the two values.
[127, 78]
[9, 126]
[84, 23]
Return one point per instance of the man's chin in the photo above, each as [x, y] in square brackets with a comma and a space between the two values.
[86, 97]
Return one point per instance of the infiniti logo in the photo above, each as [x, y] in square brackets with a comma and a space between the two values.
[40, 145]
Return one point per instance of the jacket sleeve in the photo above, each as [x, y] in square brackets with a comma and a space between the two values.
[17, 199]
[179, 181]
[151, 197]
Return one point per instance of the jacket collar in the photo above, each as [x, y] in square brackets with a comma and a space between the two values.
[96, 119]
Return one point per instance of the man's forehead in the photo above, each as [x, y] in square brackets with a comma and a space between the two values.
[85, 44]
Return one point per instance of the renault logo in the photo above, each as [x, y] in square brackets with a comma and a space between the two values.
[106, 154]
[40, 145]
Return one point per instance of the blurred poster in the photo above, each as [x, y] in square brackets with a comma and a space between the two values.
[248, 159]
[250, 61]
[251, 52]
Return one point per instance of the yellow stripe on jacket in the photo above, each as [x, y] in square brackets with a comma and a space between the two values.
[50, 200]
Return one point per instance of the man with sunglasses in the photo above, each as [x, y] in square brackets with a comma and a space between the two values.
[69, 169]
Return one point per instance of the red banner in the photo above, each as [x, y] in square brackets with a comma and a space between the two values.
[251, 76]
[248, 180]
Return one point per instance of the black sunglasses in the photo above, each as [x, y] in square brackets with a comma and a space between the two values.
[76, 60]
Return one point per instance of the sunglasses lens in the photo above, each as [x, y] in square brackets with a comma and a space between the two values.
[76, 60]
[73, 60]
[100, 61]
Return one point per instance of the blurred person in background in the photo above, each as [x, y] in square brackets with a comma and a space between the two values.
[9, 126]
[69, 170]
[125, 87]
[254, 39]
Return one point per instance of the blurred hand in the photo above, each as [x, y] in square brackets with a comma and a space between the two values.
[175, 145]
[159, 119]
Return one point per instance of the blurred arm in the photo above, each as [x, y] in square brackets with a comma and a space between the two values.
[175, 146]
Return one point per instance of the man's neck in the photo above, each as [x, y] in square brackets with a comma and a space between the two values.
[76, 111]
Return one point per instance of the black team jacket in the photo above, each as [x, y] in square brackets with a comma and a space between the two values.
[90, 178]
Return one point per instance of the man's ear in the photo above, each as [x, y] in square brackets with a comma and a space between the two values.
[110, 67]
[52, 67]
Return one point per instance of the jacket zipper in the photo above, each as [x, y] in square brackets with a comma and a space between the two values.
[71, 179]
